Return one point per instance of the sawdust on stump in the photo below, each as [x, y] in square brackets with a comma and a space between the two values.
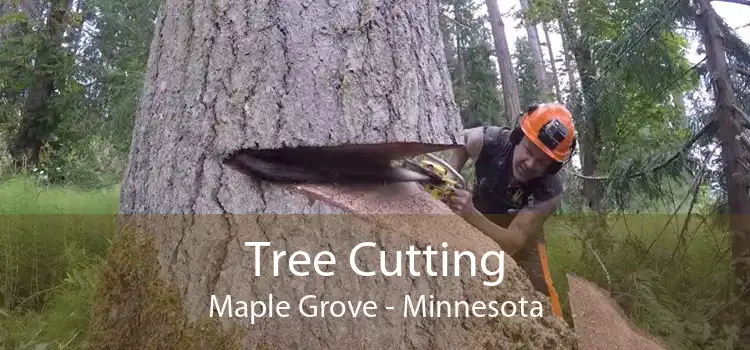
[600, 323]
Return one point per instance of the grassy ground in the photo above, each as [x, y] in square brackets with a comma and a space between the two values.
[52, 239]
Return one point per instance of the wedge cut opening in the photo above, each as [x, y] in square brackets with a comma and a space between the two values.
[346, 164]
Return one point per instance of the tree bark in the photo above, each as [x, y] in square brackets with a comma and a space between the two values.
[507, 77]
[569, 68]
[460, 47]
[540, 72]
[448, 45]
[292, 74]
[585, 110]
[553, 64]
[732, 154]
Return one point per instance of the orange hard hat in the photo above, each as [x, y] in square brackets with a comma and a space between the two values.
[550, 127]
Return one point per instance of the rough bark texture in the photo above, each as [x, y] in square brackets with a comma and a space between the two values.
[244, 75]
[732, 154]
[507, 77]
[238, 74]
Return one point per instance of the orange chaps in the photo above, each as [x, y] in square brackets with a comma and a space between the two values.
[534, 261]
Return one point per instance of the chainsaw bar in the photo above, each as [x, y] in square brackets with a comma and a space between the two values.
[321, 167]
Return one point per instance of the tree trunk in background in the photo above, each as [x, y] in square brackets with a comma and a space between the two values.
[38, 119]
[570, 69]
[732, 154]
[553, 64]
[507, 77]
[583, 106]
[291, 74]
[540, 71]
[447, 42]
[460, 63]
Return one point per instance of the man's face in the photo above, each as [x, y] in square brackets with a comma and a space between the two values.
[529, 161]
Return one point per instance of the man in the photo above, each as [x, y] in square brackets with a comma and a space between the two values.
[518, 186]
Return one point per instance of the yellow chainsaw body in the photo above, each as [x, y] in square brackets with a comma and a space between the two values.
[447, 185]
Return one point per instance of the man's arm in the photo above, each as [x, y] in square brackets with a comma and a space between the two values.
[473, 140]
[526, 223]
[530, 220]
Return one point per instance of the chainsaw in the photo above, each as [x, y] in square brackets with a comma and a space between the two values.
[337, 165]
[444, 179]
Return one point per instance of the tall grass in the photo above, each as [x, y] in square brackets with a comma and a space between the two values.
[672, 281]
[51, 242]
[672, 278]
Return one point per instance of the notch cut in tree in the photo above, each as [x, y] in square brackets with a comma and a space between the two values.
[272, 77]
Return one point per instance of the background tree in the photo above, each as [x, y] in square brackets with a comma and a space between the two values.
[507, 76]
[475, 84]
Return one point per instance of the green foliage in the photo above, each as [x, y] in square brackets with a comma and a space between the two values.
[479, 95]
[528, 89]
[638, 66]
[668, 274]
[51, 244]
[475, 79]
[119, 64]
[97, 84]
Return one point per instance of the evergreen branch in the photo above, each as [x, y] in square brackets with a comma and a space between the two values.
[673, 82]
[708, 127]
[640, 38]
[695, 187]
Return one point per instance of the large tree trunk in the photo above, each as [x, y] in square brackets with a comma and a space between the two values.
[507, 78]
[292, 74]
[540, 72]
[732, 154]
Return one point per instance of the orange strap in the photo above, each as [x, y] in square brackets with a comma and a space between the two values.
[542, 249]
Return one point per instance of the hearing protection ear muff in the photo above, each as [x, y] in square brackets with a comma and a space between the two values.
[516, 135]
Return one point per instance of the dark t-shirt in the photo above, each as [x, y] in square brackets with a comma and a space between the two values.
[494, 193]
[494, 196]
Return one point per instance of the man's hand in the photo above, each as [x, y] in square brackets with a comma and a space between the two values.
[460, 202]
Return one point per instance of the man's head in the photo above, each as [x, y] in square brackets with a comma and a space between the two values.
[544, 140]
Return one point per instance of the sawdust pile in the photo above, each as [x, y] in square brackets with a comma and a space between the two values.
[400, 215]
[600, 323]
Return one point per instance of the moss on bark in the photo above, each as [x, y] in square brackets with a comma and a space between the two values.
[135, 308]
